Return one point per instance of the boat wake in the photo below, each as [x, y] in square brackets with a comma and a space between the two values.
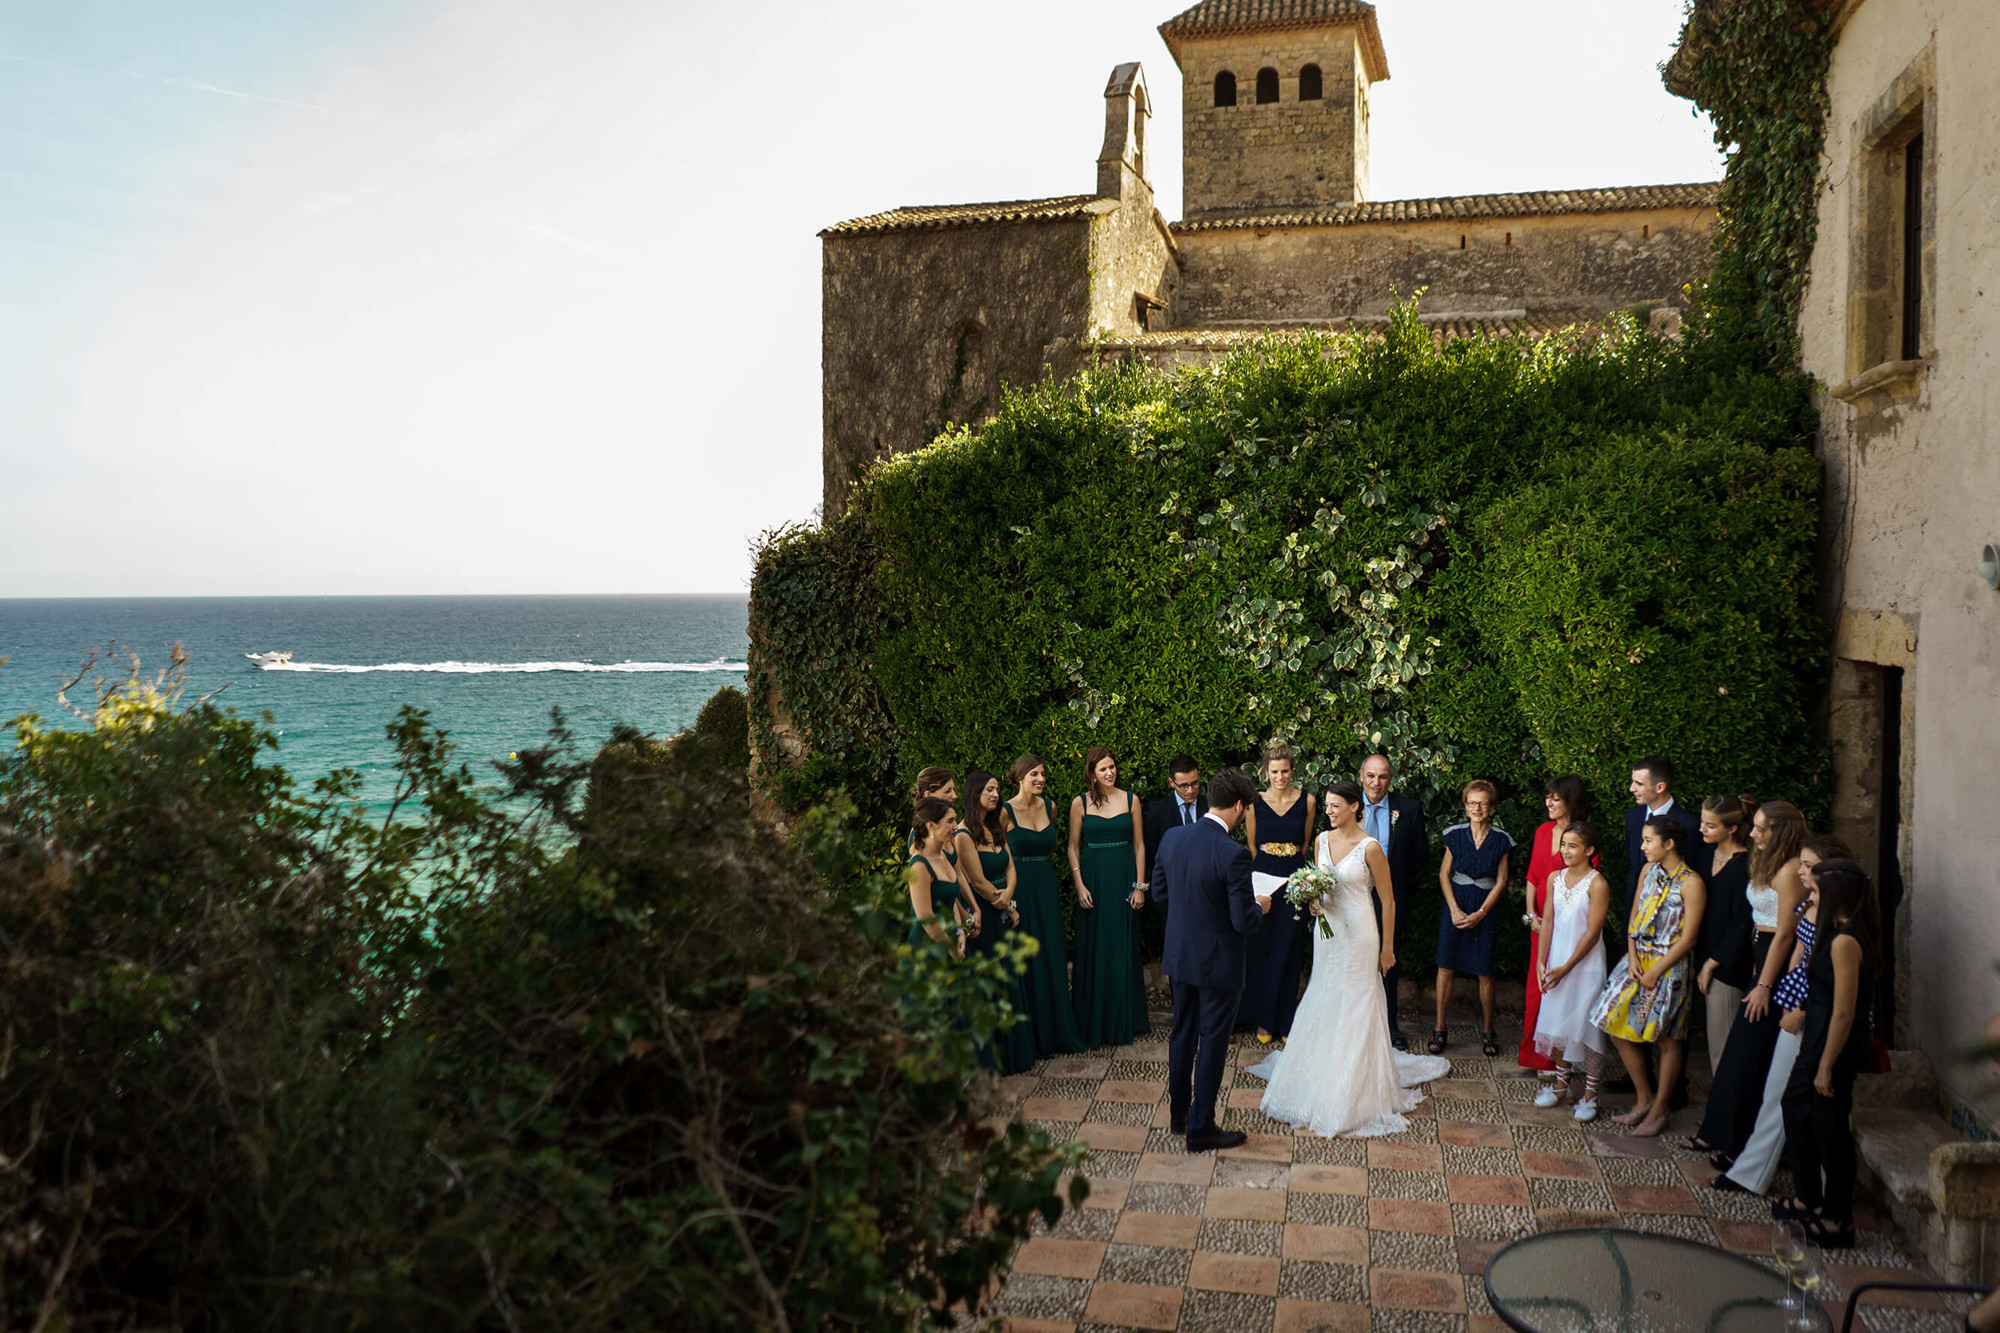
[507, 668]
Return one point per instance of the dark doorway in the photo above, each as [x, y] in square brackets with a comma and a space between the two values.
[1888, 848]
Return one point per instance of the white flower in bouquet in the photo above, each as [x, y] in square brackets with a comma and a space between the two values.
[1307, 886]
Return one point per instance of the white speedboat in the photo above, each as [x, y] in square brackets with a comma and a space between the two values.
[269, 659]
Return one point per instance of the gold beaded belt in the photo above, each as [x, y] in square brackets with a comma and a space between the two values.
[1279, 849]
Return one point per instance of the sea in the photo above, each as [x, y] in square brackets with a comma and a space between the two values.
[487, 669]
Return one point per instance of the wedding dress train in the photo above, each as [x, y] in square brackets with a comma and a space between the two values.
[1339, 1073]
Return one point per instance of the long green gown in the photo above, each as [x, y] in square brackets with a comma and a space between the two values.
[1110, 979]
[944, 895]
[1045, 985]
[1015, 1052]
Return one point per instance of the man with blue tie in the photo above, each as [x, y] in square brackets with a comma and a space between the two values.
[1397, 825]
[1202, 878]
[1181, 806]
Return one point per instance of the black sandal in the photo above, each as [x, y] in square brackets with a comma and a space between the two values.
[1438, 1039]
[1721, 1160]
[1792, 1209]
[1726, 1185]
[1489, 1042]
[1693, 1143]
[1827, 1235]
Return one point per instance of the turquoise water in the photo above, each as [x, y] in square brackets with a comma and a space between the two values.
[487, 668]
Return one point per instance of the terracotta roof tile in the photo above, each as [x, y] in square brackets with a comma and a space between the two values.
[929, 217]
[1534, 203]
[1214, 18]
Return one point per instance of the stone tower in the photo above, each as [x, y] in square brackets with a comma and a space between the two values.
[1274, 104]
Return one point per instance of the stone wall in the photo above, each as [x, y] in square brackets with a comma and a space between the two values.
[1595, 262]
[919, 328]
[1913, 487]
[1286, 154]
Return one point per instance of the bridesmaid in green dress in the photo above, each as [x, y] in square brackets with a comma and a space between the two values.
[988, 869]
[937, 912]
[1107, 854]
[1031, 836]
[934, 781]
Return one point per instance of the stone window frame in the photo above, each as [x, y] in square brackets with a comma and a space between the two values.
[1878, 376]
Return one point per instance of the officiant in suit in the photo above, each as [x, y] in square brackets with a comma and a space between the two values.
[1201, 879]
[1397, 824]
[1182, 805]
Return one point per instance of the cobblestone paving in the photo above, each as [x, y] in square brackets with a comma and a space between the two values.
[1293, 1232]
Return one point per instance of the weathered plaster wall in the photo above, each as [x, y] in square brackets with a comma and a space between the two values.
[1599, 261]
[1914, 491]
[1282, 154]
[920, 328]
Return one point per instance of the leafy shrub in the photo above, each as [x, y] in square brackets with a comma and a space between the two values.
[1333, 541]
[619, 1061]
[725, 719]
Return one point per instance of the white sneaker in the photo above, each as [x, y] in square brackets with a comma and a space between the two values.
[1549, 1095]
[1586, 1109]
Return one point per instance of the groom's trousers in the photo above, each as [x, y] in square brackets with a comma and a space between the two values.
[1204, 1017]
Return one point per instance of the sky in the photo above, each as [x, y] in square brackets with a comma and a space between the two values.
[505, 297]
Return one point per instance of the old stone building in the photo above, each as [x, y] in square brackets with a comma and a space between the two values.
[928, 311]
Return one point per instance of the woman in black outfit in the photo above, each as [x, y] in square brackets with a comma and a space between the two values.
[1840, 992]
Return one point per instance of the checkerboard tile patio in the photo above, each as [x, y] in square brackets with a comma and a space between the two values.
[1293, 1233]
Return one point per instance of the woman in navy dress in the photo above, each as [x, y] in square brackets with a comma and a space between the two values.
[1280, 826]
[1474, 880]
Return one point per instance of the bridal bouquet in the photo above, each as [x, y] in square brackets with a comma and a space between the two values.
[1307, 886]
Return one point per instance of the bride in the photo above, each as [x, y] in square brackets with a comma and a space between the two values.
[1338, 1074]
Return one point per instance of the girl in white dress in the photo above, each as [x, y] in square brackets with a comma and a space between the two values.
[1572, 972]
[1339, 1074]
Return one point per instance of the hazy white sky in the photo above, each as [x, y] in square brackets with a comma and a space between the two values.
[378, 297]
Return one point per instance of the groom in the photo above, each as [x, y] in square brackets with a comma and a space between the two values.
[1204, 874]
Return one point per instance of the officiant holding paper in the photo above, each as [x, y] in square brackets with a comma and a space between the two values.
[1280, 827]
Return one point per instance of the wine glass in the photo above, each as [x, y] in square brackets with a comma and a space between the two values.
[1788, 1247]
[1808, 1273]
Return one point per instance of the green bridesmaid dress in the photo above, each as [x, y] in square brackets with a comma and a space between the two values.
[1045, 985]
[1110, 980]
[1014, 1051]
[944, 895]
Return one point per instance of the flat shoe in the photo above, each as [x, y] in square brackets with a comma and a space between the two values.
[1586, 1109]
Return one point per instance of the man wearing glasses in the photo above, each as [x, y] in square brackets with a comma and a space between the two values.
[1186, 803]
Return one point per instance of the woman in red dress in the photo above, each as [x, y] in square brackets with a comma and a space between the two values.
[1567, 802]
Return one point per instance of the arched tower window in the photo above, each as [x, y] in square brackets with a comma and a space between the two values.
[1267, 85]
[1225, 89]
[1309, 84]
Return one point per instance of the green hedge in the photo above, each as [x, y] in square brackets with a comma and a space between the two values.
[1496, 558]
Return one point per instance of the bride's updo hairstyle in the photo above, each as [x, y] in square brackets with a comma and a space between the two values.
[929, 811]
[1349, 792]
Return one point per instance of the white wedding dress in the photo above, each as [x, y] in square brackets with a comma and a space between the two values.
[1338, 1073]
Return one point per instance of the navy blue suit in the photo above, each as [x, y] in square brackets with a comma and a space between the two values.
[1202, 878]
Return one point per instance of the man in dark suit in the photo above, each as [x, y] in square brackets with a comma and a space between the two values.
[1397, 823]
[1202, 879]
[1183, 805]
[1652, 794]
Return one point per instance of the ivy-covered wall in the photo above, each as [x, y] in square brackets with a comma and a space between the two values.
[1503, 559]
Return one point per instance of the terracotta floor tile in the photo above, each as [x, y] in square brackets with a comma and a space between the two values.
[1249, 1205]
[1310, 1179]
[1078, 1066]
[1696, 1171]
[1263, 1148]
[1742, 1237]
[1400, 1289]
[1468, 1134]
[1419, 1215]
[1560, 1165]
[1049, 1257]
[1474, 1253]
[1163, 1116]
[1054, 1108]
[1486, 1323]
[1850, 1276]
[1325, 1245]
[1573, 1219]
[1321, 1317]
[1252, 1175]
[1176, 1168]
[1527, 1113]
[1166, 1231]
[1465, 1089]
[1107, 1193]
[1655, 1199]
[1035, 1326]
[1508, 1191]
[1245, 1274]
[1111, 1138]
[1624, 1145]
[1405, 1156]
[1245, 1099]
[1130, 1090]
[1129, 1305]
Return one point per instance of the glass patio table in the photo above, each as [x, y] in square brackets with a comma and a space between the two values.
[1610, 1281]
